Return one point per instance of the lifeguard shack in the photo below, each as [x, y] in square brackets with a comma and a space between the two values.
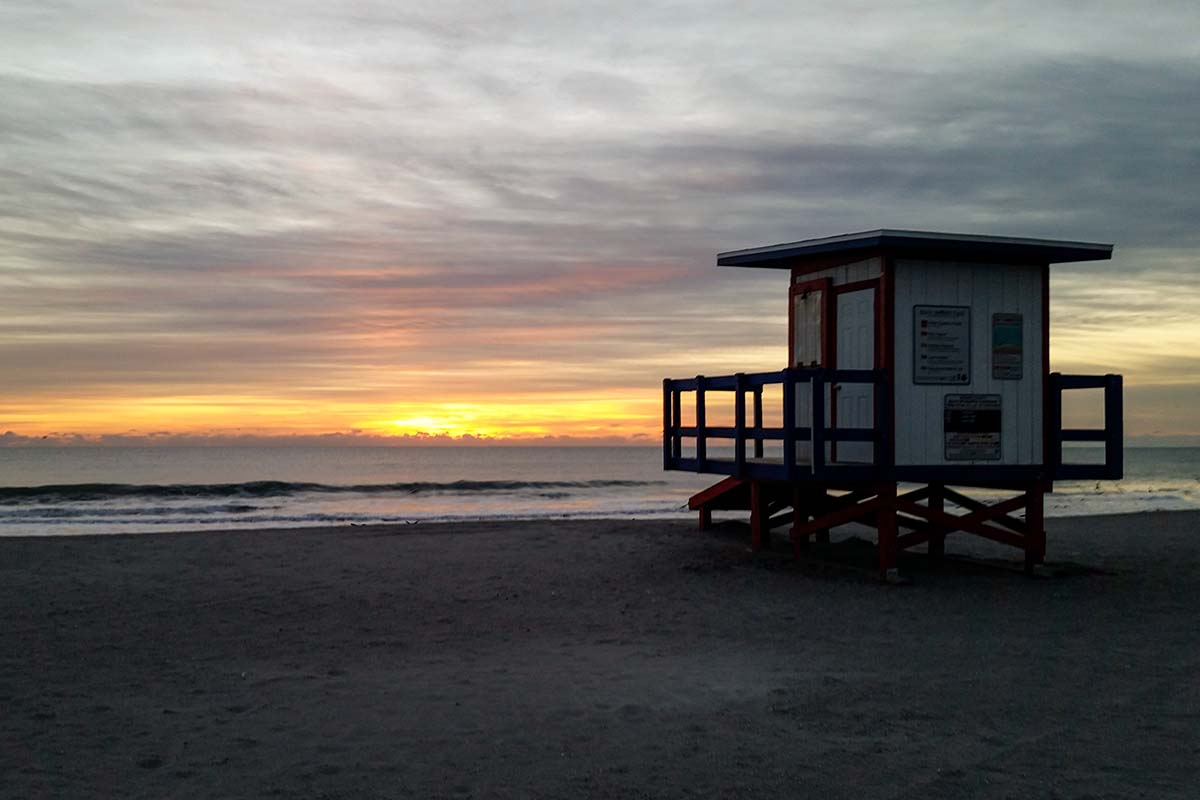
[918, 366]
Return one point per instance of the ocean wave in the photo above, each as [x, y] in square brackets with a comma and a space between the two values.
[100, 492]
[136, 523]
[26, 513]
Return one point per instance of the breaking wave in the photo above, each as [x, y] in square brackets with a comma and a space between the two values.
[101, 492]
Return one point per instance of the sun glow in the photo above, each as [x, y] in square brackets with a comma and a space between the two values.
[609, 415]
[535, 417]
[428, 425]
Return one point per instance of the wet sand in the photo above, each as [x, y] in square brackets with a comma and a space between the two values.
[595, 659]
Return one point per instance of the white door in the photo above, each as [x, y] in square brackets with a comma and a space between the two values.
[808, 309]
[855, 349]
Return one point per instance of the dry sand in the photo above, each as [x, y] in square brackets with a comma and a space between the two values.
[593, 659]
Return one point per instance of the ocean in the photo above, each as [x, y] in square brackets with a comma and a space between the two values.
[103, 490]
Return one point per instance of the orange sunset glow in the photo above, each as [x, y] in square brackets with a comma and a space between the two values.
[613, 415]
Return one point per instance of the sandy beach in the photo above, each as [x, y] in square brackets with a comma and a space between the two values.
[595, 659]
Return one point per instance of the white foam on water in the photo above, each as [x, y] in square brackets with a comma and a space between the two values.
[96, 491]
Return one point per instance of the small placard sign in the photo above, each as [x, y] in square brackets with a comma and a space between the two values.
[942, 345]
[1008, 355]
[971, 425]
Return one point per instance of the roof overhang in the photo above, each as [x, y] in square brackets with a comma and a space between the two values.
[916, 244]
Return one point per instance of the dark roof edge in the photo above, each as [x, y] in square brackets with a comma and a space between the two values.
[900, 242]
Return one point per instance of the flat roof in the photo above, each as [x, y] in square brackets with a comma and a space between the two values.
[918, 244]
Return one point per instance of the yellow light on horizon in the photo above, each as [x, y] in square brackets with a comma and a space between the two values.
[426, 425]
[536, 417]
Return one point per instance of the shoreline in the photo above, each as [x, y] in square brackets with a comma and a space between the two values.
[602, 658]
[215, 488]
[720, 517]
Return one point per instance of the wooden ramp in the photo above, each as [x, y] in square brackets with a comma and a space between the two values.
[730, 494]
[769, 504]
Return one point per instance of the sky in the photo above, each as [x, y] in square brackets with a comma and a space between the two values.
[357, 221]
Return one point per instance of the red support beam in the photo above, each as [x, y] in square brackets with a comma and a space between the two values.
[820, 504]
[937, 539]
[975, 522]
[900, 520]
[839, 517]
[974, 505]
[886, 524]
[1035, 520]
[916, 494]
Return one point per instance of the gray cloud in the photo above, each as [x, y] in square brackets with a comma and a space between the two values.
[194, 196]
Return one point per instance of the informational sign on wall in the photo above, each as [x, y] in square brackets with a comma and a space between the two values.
[942, 345]
[1008, 355]
[971, 425]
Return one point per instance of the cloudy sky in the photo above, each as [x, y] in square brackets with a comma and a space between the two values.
[501, 219]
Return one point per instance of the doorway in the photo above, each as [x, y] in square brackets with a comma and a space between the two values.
[855, 313]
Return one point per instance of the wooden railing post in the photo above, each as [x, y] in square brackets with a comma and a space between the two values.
[739, 424]
[758, 421]
[701, 433]
[668, 434]
[818, 424]
[789, 423]
[1053, 439]
[1114, 427]
[677, 415]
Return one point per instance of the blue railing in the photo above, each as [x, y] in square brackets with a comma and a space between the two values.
[751, 433]
[1112, 434]
[754, 433]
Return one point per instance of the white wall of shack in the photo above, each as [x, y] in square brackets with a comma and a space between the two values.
[987, 289]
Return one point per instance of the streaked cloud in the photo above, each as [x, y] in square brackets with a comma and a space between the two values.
[313, 218]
